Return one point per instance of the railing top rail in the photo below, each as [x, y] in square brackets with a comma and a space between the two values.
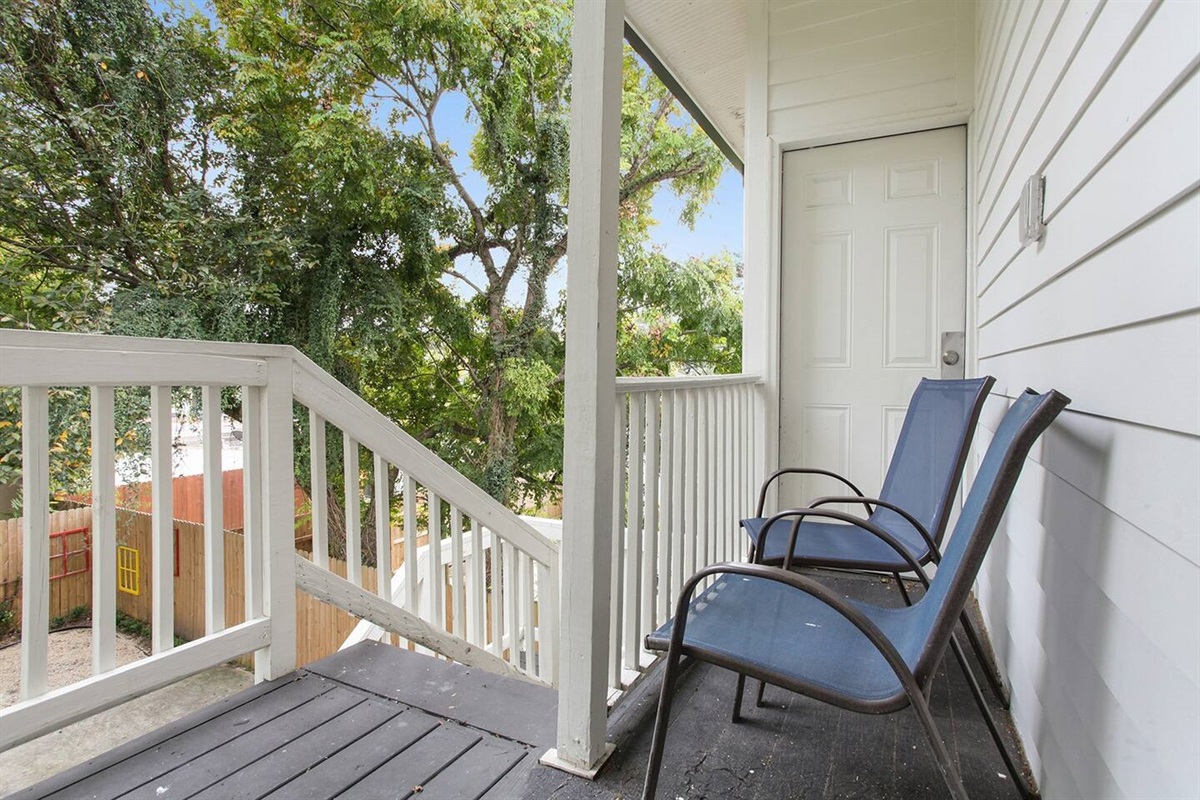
[322, 393]
[54, 340]
[670, 382]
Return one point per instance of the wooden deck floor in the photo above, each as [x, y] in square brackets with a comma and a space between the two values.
[369, 722]
[378, 722]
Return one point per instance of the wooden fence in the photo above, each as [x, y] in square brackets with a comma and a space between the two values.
[66, 593]
[320, 628]
[187, 500]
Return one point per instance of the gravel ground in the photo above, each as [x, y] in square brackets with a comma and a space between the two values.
[69, 660]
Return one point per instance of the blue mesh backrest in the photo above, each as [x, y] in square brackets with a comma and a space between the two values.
[929, 455]
[937, 612]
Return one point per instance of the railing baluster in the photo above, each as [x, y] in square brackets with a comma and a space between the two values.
[457, 593]
[214, 513]
[691, 478]
[715, 469]
[618, 543]
[252, 499]
[353, 515]
[650, 521]
[633, 543]
[320, 489]
[496, 590]
[162, 548]
[547, 607]
[705, 476]
[104, 531]
[512, 601]
[666, 536]
[436, 575]
[383, 530]
[727, 474]
[525, 568]
[412, 597]
[35, 561]
[746, 434]
[679, 526]
[476, 588]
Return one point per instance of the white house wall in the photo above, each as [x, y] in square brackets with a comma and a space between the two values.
[837, 68]
[1092, 590]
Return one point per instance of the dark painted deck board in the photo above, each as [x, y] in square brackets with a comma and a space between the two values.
[414, 767]
[127, 767]
[475, 771]
[342, 770]
[327, 739]
[509, 707]
[198, 774]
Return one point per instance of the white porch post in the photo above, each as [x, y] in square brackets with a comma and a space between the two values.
[590, 386]
[760, 313]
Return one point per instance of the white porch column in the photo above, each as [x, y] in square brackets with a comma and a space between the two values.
[760, 312]
[590, 386]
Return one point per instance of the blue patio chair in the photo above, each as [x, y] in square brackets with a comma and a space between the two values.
[906, 523]
[792, 631]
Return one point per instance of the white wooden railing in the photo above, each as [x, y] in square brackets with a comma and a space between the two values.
[276, 383]
[685, 472]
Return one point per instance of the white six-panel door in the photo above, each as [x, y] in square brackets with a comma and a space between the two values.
[873, 271]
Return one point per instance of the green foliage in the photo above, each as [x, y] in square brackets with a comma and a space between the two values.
[284, 179]
[10, 620]
[73, 616]
[133, 627]
[106, 154]
[679, 318]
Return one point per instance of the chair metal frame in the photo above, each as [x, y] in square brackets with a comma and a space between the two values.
[914, 681]
[932, 540]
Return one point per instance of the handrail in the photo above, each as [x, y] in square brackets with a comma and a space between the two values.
[312, 386]
[669, 382]
[338, 405]
[54, 340]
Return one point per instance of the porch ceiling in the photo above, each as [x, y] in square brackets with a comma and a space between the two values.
[703, 45]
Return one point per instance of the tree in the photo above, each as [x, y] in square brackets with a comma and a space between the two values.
[677, 318]
[108, 151]
[286, 179]
[489, 368]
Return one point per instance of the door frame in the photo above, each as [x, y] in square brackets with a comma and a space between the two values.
[773, 274]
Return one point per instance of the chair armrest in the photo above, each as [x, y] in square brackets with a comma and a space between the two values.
[762, 493]
[809, 586]
[858, 522]
[934, 553]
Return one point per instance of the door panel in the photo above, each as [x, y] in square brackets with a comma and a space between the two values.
[873, 271]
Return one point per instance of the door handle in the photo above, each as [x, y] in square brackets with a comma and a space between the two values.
[953, 364]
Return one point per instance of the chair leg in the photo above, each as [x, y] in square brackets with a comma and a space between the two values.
[991, 670]
[737, 698]
[762, 687]
[661, 720]
[1018, 775]
[941, 754]
[902, 588]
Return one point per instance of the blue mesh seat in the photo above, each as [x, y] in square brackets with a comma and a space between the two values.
[902, 529]
[787, 629]
[913, 505]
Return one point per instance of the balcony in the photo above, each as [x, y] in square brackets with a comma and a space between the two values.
[485, 596]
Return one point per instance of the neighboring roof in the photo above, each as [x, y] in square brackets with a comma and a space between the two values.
[707, 72]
